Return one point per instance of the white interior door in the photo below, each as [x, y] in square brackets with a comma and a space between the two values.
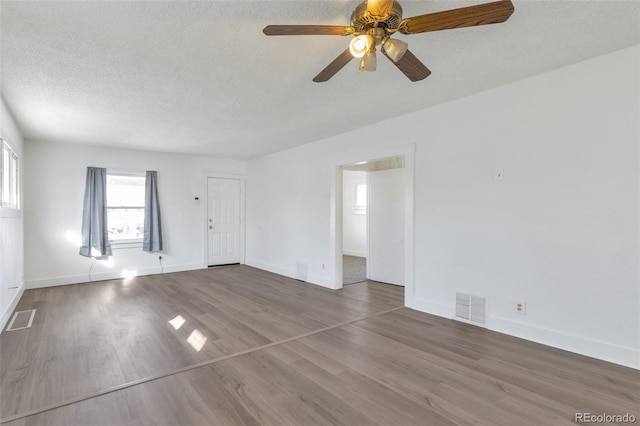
[223, 221]
[386, 203]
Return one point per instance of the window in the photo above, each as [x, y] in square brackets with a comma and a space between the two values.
[125, 207]
[8, 177]
[360, 198]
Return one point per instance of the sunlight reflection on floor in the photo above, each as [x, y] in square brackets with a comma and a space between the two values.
[177, 322]
[197, 340]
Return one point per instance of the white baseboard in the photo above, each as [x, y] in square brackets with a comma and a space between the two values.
[321, 281]
[628, 357]
[354, 253]
[184, 267]
[433, 308]
[271, 268]
[101, 276]
[311, 278]
[14, 302]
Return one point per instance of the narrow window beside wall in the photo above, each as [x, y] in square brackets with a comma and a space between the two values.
[8, 177]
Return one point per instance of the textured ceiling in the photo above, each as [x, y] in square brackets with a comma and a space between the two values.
[201, 78]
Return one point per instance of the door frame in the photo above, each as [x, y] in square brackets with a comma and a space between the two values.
[336, 227]
[205, 214]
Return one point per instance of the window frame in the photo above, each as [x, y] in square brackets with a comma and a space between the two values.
[13, 185]
[129, 242]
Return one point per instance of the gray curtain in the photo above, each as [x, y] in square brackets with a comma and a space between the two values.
[152, 231]
[95, 234]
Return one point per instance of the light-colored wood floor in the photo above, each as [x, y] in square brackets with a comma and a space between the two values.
[398, 368]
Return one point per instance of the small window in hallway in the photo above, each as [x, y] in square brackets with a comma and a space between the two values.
[360, 200]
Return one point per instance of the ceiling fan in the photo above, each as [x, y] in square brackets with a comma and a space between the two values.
[375, 21]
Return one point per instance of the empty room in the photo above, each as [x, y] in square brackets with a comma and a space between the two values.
[292, 212]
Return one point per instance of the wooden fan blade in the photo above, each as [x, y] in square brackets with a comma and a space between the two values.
[379, 7]
[482, 14]
[412, 67]
[279, 30]
[335, 66]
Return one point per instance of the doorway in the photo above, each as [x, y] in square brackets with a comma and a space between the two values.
[373, 217]
[354, 228]
[224, 221]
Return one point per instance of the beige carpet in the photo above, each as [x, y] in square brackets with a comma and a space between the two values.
[354, 269]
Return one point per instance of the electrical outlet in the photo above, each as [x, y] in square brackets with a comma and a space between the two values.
[323, 266]
[160, 257]
[520, 307]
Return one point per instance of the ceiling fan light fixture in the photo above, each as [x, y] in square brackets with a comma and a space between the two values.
[395, 49]
[373, 22]
[360, 45]
[368, 62]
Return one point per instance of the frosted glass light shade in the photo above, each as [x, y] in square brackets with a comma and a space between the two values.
[395, 49]
[368, 62]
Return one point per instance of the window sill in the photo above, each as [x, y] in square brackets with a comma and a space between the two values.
[10, 212]
[125, 244]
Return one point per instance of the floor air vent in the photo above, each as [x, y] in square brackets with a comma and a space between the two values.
[21, 319]
[471, 308]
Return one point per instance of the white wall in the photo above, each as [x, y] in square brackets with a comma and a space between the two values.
[560, 232]
[354, 233]
[11, 227]
[54, 188]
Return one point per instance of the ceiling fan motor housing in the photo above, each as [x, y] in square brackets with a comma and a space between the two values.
[361, 20]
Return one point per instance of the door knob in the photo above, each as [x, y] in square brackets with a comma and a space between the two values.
[210, 227]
